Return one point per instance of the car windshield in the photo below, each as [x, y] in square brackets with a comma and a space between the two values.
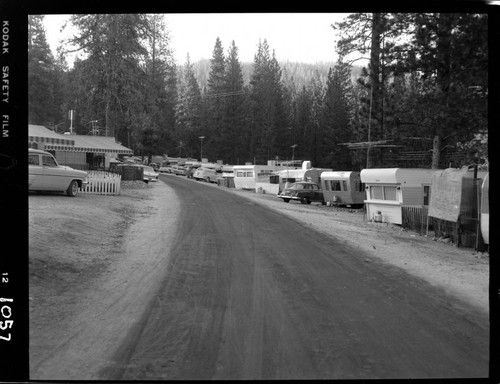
[297, 186]
[148, 169]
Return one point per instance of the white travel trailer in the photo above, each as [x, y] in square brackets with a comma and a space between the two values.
[257, 177]
[306, 173]
[389, 189]
[485, 210]
[343, 188]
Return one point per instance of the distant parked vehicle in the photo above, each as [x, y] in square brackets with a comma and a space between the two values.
[206, 174]
[179, 170]
[45, 174]
[155, 166]
[303, 191]
[149, 173]
[165, 169]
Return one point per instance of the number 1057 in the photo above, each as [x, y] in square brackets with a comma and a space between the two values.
[6, 313]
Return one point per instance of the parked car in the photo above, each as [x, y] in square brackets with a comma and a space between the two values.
[166, 169]
[45, 174]
[155, 166]
[303, 191]
[179, 170]
[149, 173]
[206, 174]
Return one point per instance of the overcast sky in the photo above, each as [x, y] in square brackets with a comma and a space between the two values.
[299, 37]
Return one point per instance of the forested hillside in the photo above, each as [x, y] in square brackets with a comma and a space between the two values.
[301, 73]
[421, 101]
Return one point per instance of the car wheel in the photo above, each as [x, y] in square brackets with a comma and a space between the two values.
[72, 189]
[208, 179]
[303, 200]
[308, 201]
[286, 200]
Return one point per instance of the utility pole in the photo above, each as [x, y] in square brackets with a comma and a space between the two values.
[201, 148]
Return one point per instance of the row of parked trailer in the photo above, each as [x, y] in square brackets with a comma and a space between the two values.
[384, 192]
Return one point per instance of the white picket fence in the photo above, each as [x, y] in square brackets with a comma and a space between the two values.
[102, 183]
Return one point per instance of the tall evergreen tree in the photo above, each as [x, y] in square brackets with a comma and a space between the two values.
[189, 111]
[41, 75]
[337, 116]
[375, 37]
[158, 106]
[234, 117]
[114, 50]
[215, 100]
[452, 57]
[269, 120]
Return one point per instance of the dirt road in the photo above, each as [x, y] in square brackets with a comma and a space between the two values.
[239, 291]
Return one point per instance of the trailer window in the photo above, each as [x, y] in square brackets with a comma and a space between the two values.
[359, 186]
[335, 184]
[376, 193]
[390, 193]
[244, 174]
[427, 194]
[344, 185]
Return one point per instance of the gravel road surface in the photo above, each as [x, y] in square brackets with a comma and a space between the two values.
[196, 282]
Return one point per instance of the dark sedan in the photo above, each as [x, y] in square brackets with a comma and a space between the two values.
[303, 191]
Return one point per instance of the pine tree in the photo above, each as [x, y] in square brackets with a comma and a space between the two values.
[41, 87]
[215, 101]
[160, 95]
[337, 118]
[234, 117]
[189, 111]
[269, 119]
[453, 62]
[114, 79]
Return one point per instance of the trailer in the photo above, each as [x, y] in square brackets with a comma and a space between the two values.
[343, 188]
[390, 189]
[485, 210]
[257, 177]
[290, 176]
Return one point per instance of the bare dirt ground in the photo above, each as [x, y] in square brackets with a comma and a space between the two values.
[84, 250]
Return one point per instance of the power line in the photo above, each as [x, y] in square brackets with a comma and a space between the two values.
[226, 94]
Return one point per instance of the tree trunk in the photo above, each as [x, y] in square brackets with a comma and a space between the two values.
[445, 26]
[375, 118]
[436, 152]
